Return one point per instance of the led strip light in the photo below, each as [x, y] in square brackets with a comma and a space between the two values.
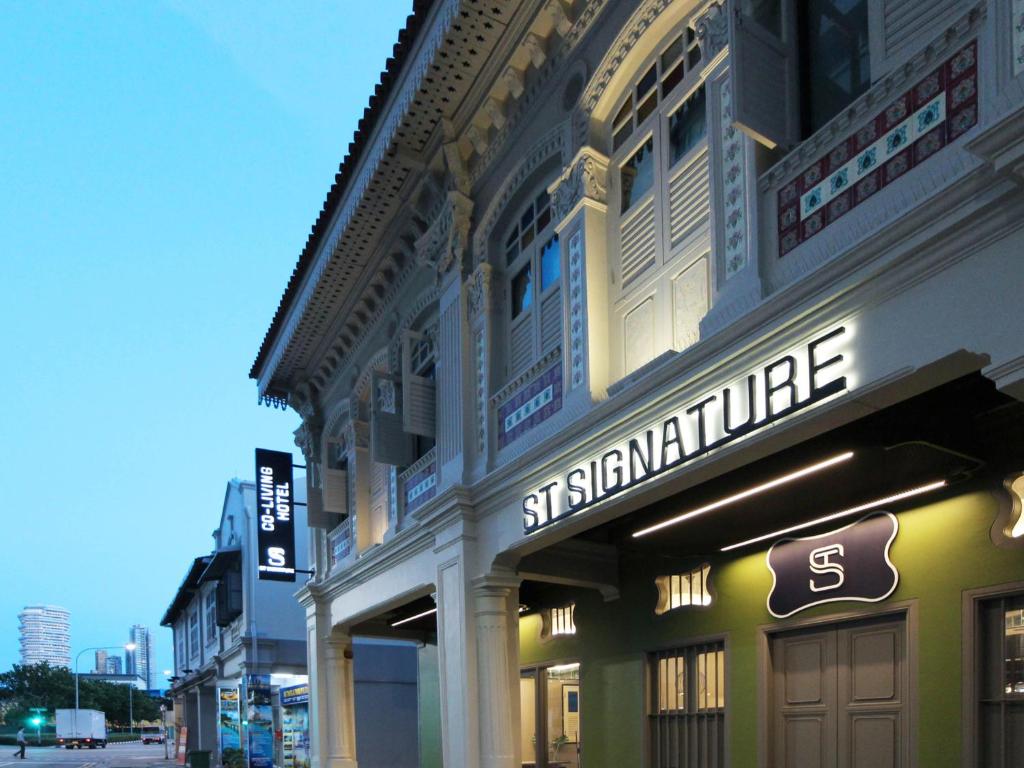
[845, 513]
[413, 618]
[753, 491]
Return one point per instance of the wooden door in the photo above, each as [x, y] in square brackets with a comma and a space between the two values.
[839, 697]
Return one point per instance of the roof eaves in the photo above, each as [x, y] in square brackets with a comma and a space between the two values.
[346, 170]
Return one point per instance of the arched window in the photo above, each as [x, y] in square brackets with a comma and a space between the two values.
[658, 207]
[532, 262]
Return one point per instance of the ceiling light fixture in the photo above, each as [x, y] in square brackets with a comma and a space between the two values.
[845, 513]
[782, 480]
[413, 618]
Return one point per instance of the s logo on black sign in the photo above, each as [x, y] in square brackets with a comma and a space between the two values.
[851, 563]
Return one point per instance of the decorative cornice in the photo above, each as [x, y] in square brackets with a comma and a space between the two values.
[586, 177]
[382, 138]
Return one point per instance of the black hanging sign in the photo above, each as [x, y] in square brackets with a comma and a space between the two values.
[851, 563]
[276, 528]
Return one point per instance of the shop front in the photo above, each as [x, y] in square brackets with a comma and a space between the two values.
[295, 726]
[854, 599]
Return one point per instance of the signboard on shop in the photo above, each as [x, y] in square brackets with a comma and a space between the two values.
[808, 374]
[275, 506]
[851, 563]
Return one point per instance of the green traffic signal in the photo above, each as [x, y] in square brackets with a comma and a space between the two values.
[37, 720]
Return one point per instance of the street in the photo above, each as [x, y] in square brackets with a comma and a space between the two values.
[134, 755]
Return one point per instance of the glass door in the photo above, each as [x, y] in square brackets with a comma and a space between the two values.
[550, 716]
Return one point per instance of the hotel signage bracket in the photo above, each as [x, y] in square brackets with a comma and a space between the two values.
[276, 526]
[782, 387]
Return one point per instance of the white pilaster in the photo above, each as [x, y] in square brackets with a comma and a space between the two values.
[457, 664]
[495, 605]
[339, 719]
[580, 205]
[731, 159]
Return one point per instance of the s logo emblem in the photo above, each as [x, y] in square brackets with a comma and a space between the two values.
[820, 562]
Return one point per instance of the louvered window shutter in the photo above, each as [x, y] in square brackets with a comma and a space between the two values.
[335, 492]
[764, 57]
[419, 398]
[316, 516]
[389, 444]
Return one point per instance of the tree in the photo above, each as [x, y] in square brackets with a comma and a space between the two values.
[42, 685]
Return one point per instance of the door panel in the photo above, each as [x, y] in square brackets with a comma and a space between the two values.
[872, 719]
[839, 697]
[805, 694]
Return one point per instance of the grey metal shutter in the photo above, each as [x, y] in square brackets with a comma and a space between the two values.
[419, 398]
[389, 443]
[764, 72]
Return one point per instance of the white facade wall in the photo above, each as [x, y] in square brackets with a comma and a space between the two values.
[923, 273]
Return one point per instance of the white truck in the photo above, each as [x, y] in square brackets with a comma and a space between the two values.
[81, 728]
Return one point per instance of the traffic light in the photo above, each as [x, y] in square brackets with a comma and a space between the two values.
[35, 720]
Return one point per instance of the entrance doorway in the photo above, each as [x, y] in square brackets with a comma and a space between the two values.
[839, 696]
[550, 716]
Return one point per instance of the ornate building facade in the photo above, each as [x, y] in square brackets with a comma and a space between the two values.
[659, 368]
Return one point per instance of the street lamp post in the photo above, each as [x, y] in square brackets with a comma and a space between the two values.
[127, 647]
[163, 717]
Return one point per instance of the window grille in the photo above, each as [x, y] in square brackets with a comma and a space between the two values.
[559, 621]
[682, 589]
[687, 707]
[1000, 713]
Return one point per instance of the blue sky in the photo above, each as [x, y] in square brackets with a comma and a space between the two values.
[162, 163]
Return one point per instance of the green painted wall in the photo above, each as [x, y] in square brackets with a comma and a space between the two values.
[429, 691]
[941, 550]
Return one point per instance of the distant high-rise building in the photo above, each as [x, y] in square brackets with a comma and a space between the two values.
[137, 661]
[113, 666]
[101, 662]
[45, 635]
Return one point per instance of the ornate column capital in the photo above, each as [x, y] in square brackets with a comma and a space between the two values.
[586, 178]
[712, 28]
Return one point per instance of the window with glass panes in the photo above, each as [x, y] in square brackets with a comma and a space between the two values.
[533, 263]
[193, 633]
[659, 164]
[686, 707]
[211, 615]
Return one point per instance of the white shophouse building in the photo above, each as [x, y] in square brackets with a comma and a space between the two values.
[614, 304]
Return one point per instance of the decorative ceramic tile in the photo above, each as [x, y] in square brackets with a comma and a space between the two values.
[576, 320]
[734, 201]
[913, 127]
[533, 404]
[421, 487]
[1018, 37]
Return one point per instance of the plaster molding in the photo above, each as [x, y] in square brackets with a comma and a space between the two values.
[712, 28]
[586, 177]
[445, 241]
[553, 143]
